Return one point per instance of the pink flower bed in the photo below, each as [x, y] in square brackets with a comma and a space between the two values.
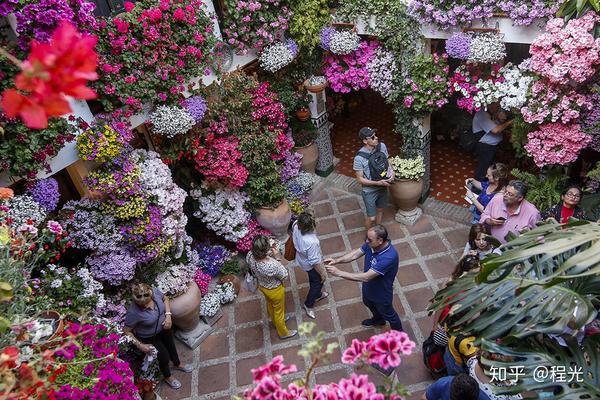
[349, 72]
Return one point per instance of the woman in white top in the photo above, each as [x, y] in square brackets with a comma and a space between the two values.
[484, 381]
[264, 264]
[478, 244]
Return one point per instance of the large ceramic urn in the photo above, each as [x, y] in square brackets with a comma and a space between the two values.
[276, 220]
[186, 308]
[310, 156]
[406, 193]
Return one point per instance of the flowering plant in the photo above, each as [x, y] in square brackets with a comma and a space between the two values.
[171, 121]
[254, 229]
[349, 72]
[382, 350]
[552, 103]
[38, 19]
[512, 92]
[524, 12]
[487, 47]
[459, 45]
[325, 36]
[291, 166]
[278, 55]
[425, 89]
[590, 119]
[255, 24]
[223, 211]
[102, 142]
[148, 53]
[196, 107]
[24, 209]
[210, 304]
[303, 132]
[567, 51]
[381, 70]
[114, 267]
[45, 193]
[476, 86]
[174, 281]
[202, 279]
[343, 42]
[212, 258]
[226, 292]
[408, 168]
[556, 143]
[298, 198]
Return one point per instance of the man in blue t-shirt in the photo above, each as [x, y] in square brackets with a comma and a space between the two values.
[380, 268]
[457, 387]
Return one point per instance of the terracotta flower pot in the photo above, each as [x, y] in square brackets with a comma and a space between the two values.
[303, 114]
[406, 193]
[315, 88]
[310, 156]
[234, 279]
[186, 308]
[276, 220]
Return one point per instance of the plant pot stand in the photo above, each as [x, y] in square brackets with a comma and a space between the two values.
[194, 337]
[212, 320]
[408, 217]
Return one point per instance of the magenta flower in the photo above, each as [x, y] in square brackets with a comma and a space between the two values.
[354, 352]
[275, 368]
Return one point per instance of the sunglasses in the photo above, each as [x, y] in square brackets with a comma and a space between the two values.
[142, 296]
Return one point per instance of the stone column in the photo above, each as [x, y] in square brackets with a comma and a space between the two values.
[319, 117]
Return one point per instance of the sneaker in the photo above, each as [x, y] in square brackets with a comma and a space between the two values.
[372, 322]
[290, 334]
[309, 311]
[324, 295]
[287, 317]
[187, 368]
[173, 383]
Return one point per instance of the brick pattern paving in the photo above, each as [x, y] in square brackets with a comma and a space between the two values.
[244, 338]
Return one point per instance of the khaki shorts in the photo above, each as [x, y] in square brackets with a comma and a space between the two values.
[374, 200]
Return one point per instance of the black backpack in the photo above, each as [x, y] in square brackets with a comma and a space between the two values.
[378, 163]
[468, 140]
[433, 358]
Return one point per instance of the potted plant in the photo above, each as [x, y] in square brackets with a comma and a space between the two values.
[304, 134]
[408, 183]
[230, 273]
[315, 84]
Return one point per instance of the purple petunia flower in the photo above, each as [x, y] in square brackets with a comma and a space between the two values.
[45, 193]
[458, 45]
[325, 35]
[196, 107]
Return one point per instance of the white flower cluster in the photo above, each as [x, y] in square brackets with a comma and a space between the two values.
[174, 281]
[275, 57]
[91, 287]
[487, 47]
[226, 292]
[223, 211]
[381, 70]
[306, 180]
[210, 305]
[487, 94]
[316, 80]
[344, 42]
[154, 173]
[171, 121]
[22, 208]
[513, 91]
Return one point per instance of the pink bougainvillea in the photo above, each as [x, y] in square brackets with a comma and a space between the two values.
[349, 72]
[556, 143]
[553, 103]
[219, 160]
[568, 51]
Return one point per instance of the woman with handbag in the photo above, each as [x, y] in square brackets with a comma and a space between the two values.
[148, 323]
[264, 264]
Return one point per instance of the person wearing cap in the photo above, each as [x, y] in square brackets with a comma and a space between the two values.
[374, 189]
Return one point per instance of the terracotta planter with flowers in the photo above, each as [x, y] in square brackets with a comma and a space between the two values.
[276, 220]
[303, 114]
[407, 187]
[186, 308]
[315, 84]
[233, 279]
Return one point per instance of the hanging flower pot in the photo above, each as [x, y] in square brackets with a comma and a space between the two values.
[303, 114]
[315, 84]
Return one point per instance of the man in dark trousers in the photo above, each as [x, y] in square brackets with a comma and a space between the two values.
[380, 269]
[491, 124]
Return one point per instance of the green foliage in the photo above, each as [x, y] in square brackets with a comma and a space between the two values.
[310, 16]
[518, 137]
[303, 132]
[291, 99]
[231, 267]
[544, 192]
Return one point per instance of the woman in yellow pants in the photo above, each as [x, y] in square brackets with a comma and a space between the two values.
[270, 273]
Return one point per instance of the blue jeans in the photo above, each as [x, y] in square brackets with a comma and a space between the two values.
[451, 366]
[314, 291]
[384, 312]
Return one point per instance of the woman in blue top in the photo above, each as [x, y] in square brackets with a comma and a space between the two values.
[496, 180]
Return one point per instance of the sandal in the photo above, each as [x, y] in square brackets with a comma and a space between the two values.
[187, 368]
[173, 383]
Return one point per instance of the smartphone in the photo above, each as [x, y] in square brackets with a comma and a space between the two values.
[501, 218]
[468, 200]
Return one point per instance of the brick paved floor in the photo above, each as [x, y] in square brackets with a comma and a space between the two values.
[244, 337]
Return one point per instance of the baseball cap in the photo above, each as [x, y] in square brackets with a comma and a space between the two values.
[366, 132]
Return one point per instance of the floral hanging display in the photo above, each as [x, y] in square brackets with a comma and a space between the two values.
[487, 47]
[567, 50]
[103, 142]
[45, 193]
[150, 52]
[344, 42]
[556, 143]
[196, 107]
[426, 87]
[89, 228]
[476, 86]
[210, 305]
[459, 45]
[381, 69]
[170, 121]
[222, 211]
[115, 267]
[512, 92]
[38, 19]
[553, 103]
[525, 12]
[278, 55]
[325, 37]
[255, 24]
[590, 119]
[349, 72]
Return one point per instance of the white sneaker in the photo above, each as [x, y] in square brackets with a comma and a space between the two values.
[309, 311]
